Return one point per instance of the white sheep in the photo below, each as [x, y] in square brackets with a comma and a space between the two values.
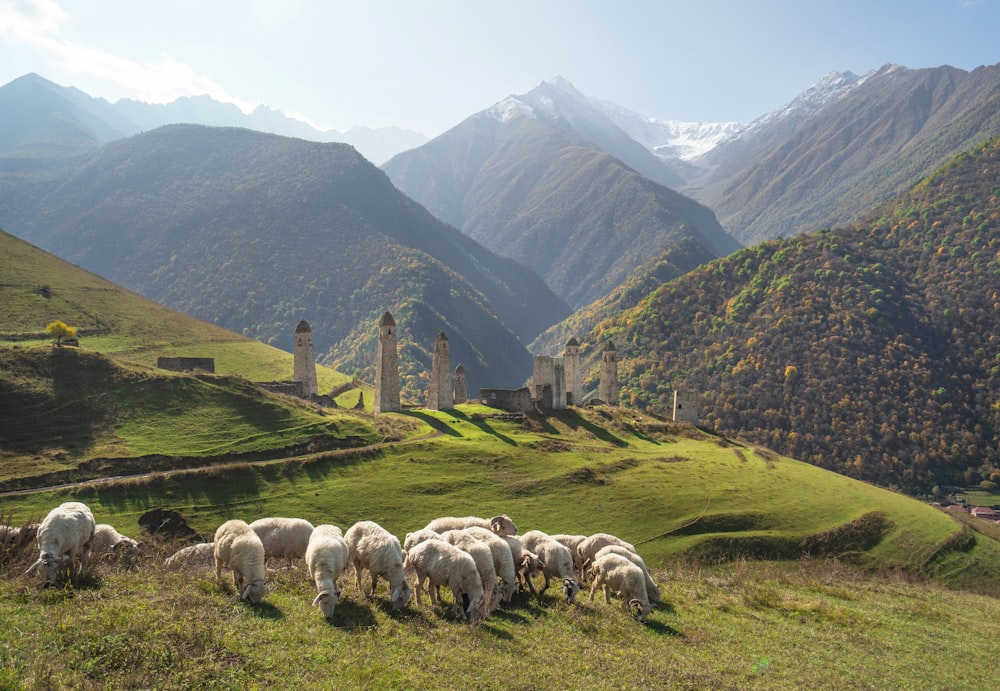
[416, 537]
[572, 542]
[239, 548]
[503, 558]
[64, 542]
[652, 589]
[483, 556]
[111, 545]
[326, 558]
[557, 562]
[501, 525]
[442, 564]
[374, 548]
[615, 572]
[201, 554]
[283, 537]
[594, 543]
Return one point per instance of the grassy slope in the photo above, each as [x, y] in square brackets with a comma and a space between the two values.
[809, 622]
[121, 324]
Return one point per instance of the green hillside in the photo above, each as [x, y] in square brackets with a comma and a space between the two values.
[867, 350]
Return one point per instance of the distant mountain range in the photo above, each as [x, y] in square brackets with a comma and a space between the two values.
[255, 232]
[36, 111]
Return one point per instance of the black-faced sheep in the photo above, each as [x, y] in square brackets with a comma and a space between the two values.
[64, 539]
[239, 548]
[615, 572]
[501, 525]
[442, 564]
[483, 556]
[201, 554]
[652, 589]
[326, 558]
[283, 537]
[557, 562]
[374, 548]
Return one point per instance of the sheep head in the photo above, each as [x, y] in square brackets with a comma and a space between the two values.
[570, 588]
[502, 525]
[327, 600]
[254, 592]
[401, 594]
[640, 609]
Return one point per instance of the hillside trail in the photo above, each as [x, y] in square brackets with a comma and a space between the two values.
[322, 455]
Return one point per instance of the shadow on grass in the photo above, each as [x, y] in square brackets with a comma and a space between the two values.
[266, 610]
[662, 629]
[438, 425]
[576, 421]
[351, 617]
[483, 425]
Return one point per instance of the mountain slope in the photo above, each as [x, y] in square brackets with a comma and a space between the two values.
[255, 232]
[868, 350]
[843, 147]
[552, 182]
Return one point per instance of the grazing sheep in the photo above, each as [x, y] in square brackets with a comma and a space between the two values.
[110, 545]
[572, 542]
[326, 558]
[283, 537]
[594, 543]
[239, 548]
[64, 542]
[442, 564]
[501, 525]
[201, 554]
[374, 548]
[652, 589]
[557, 562]
[415, 538]
[483, 556]
[615, 572]
[503, 559]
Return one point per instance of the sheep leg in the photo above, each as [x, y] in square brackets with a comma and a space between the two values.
[357, 575]
[374, 583]
[593, 588]
[607, 595]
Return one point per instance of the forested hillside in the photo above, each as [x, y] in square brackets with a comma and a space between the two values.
[872, 350]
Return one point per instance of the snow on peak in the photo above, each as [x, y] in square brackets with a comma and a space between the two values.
[831, 87]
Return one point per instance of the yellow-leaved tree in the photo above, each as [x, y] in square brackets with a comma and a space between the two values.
[59, 330]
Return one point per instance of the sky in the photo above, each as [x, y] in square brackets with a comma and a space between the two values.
[426, 65]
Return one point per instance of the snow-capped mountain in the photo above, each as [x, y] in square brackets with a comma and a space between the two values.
[667, 139]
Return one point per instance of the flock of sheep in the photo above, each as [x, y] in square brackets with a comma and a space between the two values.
[483, 562]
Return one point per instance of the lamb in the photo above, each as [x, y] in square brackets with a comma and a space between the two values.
[201, 554]
[111, 545]
[482, 555]
[64, 539]
[283, 537]
[501, 525]
[615, 572]
[557, 562]
[374, 548]
[326, 558]
[442, 564]
[504, 563]
[572, 542]
[652, 589]
[594, 543]
[239, 548]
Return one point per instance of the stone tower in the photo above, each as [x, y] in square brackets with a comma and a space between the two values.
[441, 395]
[573, 373]
[608, 389]
[304, 369]
[461, 390]
[686, 406]
[549, 372]
[386, 367]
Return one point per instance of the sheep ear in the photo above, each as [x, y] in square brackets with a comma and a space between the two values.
[246, 593]
[320, 597]
[33, 567]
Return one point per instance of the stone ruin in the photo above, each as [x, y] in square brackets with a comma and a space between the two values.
[187, 364]
[386, 367]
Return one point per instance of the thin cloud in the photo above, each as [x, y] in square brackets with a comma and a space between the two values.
[37, 23]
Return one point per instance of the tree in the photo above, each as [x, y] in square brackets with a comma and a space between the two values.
[59, 330]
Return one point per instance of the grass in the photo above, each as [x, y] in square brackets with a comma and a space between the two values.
[806, 624]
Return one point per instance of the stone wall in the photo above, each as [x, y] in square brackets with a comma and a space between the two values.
[187, 364]
[515, 401]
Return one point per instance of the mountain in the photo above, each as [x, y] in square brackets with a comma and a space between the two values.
[550, 180]
[255, 232]
[35, 111]
[869, 349]
[842, 147]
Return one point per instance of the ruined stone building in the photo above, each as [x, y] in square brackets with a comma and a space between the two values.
[461, 390]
